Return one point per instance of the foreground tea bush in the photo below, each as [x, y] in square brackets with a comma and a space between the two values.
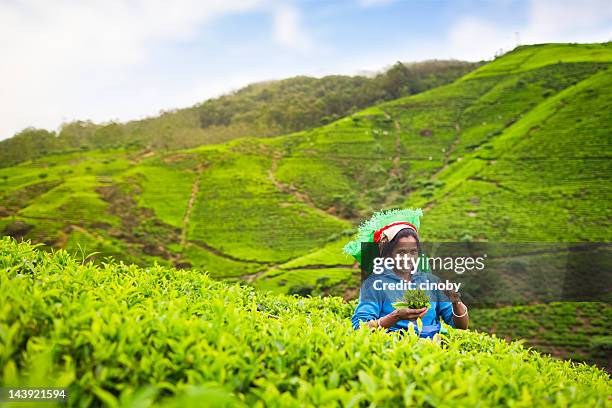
[122, 335]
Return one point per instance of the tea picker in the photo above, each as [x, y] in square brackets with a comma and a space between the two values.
[387, 234]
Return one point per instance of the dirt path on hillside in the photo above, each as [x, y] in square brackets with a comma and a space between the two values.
[396, 170]
[300, 196]
[450, 151]
[288, 189]
[36, 217]
[446, 162]
[453, 147]
[195, 188]
[220, 254]
[136, 158]
[66, 231]
[494, 182]
[251, 277]
[304, 198]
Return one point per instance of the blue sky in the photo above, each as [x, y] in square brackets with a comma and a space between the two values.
[127, 59]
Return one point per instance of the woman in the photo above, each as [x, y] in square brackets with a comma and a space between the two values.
[395, 232]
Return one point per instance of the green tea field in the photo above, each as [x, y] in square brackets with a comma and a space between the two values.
[121, 335]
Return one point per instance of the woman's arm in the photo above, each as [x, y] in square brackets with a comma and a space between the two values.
[366, 311]
[369, 310]
[459, 311]
[369, 306]
[460, 315]
[395, 316]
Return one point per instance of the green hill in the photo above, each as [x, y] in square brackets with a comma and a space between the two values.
[516, 151]
[119, 335]
[262, 109]
[481, 143]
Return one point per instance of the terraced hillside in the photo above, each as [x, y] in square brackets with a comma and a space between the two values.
[261, 109]
[518, 150]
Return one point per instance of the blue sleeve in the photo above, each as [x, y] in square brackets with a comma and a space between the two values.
[369, 306]
[445, 309]
[444, 306]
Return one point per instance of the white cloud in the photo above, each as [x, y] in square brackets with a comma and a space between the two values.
[548, 21]
[57, 55]
[562, 18]
[288, 30]
[474, 39]
[64, 60]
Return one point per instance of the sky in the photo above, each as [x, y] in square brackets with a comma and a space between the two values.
[118, 60]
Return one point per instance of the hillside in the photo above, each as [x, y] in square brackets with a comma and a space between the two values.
[122, 335]
[262, 109]
[555, 156]
[516, 151]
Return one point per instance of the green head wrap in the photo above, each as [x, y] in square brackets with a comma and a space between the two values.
[380, 219]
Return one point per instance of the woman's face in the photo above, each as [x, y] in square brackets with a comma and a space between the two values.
[405, 246]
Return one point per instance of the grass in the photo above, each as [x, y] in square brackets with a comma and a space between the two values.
[526, 58]
[552, 158]
[166, 190]
[304, 281]
[241, 213]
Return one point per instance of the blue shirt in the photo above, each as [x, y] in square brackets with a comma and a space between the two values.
[375, 303]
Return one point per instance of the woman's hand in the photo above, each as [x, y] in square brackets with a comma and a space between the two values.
[410, 314]
[452, 296]
[397, 315]
[460, 312]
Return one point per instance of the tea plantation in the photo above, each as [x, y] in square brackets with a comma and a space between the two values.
[517, 150]
[528, 127]
[121, 335]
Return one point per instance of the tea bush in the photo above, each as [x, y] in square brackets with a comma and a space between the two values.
[413, 299]
[121, 335]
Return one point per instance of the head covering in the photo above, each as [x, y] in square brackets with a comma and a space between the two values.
[382, 227]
